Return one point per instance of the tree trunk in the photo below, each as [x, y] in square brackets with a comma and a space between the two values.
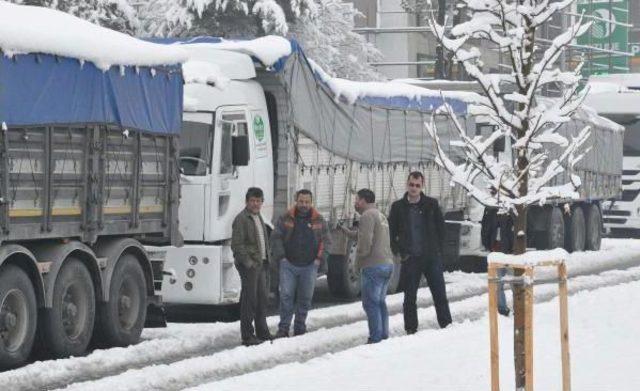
[520, 247]
[441, 72]
[520, 231]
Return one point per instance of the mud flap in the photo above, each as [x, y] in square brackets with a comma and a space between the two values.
[156, 316]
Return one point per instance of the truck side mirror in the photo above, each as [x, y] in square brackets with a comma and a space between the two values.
[240, 150]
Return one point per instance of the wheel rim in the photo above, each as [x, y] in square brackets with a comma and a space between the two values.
[14, 318]
[128, 303]
[594, 227]
[557, 230]
[579, 238]
[74, 311]
[352, 273]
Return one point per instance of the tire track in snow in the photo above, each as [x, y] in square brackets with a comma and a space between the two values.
[186, 341]
[241, 360]
[183, 341]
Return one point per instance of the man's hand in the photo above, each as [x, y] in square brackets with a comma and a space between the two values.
[317, 262]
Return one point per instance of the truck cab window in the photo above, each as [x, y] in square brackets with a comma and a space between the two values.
[232, 125]
[195, 148]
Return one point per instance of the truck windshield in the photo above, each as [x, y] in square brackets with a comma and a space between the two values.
[195, 148]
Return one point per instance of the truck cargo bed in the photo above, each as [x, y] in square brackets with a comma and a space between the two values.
[85, 182]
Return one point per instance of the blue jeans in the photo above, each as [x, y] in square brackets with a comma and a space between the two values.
[502, 300]
[375, 282]
[296, 291]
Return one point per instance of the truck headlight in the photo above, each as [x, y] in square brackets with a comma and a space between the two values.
[188, 286]
[193, 260]
[191, 273]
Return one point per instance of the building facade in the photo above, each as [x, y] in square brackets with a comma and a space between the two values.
[409, 48]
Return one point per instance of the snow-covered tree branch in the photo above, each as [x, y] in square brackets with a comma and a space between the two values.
[514, 104]
[228, 18]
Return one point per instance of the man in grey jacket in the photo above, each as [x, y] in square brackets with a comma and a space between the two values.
[251, 252]
[375, 261]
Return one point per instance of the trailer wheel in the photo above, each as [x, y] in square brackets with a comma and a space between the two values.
[18, 316]
[342, 277]
[575, 230]
[554, 234]
[122, 317]
[68, 325]
[594, 227]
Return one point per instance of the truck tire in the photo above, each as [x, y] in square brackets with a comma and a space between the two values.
[593, 220]
[122, 318]
[342, 277]
[68, 325]
[575, 234]
[553, 236]
[18, 316]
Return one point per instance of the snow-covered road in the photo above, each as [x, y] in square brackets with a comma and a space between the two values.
[185, 355]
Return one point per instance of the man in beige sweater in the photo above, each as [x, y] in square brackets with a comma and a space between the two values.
[375, 261]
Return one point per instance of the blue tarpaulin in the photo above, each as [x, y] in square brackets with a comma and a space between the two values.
[41, 89]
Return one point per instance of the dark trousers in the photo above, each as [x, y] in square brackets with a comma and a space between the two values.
[254, 298]
[411, 272]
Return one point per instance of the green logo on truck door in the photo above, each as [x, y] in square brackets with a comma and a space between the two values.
[258, 128]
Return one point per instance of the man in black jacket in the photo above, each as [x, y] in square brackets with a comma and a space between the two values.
[416, 227]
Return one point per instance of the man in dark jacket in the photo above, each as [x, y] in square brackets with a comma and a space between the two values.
[250, 246]
[417, 228]
[300, 244]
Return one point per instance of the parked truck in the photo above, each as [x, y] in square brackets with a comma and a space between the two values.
[287, 124]
[573, 224]
[88, 175]
[617, 97]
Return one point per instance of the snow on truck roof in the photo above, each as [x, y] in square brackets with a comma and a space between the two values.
[273, 52]
[30, 29]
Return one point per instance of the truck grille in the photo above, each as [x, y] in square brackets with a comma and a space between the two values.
[611, 220]
[630, 195]
[607, 212]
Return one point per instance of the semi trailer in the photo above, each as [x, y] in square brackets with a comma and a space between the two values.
[88, 176]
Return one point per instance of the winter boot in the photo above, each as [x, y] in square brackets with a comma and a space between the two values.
[281, 334]
[252, 341]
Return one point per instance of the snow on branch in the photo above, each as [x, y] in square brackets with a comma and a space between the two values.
[515, 108]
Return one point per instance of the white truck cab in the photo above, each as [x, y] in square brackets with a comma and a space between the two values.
[225, 148]
[617, 97]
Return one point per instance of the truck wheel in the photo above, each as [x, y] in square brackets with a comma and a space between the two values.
[342, 276]
[122, 318]
[554, 234]
[575, 230]
[594, 227]
[18, 316]
[68, 325]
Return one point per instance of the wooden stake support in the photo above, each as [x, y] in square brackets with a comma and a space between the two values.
[528, 272]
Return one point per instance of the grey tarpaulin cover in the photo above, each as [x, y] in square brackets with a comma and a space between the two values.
[370, 129]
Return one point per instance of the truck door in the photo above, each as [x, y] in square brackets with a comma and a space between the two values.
[230, 182]
[196, 146]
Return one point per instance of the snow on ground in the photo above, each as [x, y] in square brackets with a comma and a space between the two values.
[330, 329]
[326, 341]
[604, 347]
[28, 29]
